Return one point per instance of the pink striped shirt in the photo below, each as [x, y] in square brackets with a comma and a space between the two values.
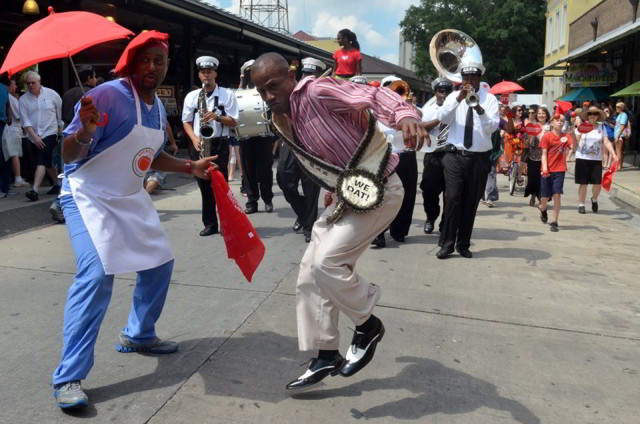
[328, 116]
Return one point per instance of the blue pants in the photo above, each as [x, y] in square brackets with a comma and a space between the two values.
[89, 297]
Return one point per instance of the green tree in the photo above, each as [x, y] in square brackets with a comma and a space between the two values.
[510, 34]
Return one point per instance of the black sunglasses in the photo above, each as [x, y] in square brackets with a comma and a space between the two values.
[593, 113]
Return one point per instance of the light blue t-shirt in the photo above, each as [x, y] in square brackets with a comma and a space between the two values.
[621, 119]
[4, 99]
[115, 98]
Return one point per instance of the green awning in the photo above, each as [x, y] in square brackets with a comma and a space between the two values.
[585, 94]
[630, 91]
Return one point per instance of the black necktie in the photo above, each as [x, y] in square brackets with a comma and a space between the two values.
[468, 129]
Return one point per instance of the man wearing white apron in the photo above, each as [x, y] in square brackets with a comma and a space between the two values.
[116, 136]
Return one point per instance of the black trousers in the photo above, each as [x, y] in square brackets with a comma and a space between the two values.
[288, 175]
[220, 148]
[257, 161]
[465, 178]
[407, 170]
[432, 184]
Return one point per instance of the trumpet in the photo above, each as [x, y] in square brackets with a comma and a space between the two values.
[472, 99]
[402, 88]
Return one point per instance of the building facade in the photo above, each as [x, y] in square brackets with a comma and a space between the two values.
[556, 47]
[407, 55]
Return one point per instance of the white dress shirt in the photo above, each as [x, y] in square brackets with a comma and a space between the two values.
[226, 98]
[454, 113]
[429, 113]
[43, 113]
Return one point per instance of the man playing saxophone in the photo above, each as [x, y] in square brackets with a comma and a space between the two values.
[208, 114]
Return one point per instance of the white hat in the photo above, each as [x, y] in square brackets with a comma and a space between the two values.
[359, 79]
[441, 82]
[471, 68]
[311, 65]
[207, 62]
[388, 80]
[246, 65]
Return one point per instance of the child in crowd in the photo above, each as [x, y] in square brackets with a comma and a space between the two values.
[556, 147]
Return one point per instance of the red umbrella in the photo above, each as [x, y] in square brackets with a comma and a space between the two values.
[241, 239]
[505, 87]
[60, 35]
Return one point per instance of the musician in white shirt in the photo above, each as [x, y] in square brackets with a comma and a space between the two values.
[41, 117]
[466, 160]
[432, 184]
[222, 113]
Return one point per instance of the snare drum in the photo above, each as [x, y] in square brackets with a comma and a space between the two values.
[251, 115]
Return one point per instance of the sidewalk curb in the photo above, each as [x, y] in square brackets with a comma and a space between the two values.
[624, 195]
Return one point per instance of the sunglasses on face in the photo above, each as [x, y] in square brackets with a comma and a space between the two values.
[593, 113]
[519, 110]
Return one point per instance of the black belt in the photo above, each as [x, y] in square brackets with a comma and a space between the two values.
[452, 149]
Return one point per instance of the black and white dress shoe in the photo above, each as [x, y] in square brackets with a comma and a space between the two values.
[362, 349]
[317, 371]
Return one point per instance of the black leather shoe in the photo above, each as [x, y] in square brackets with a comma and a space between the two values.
[297, 226]
[594, 205]
[465, 253]
[399, 239]
[251, 209]
[379, 241]
[428, 227]
[209, 230]
[317, 371]
[32, 195]
[307, 238]
[268, 207]
[443, 253]
[362, 349]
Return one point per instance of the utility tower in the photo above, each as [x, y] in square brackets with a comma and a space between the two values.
[273, 14]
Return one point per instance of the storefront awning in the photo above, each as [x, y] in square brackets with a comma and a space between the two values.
[631, 91]
[611, 36]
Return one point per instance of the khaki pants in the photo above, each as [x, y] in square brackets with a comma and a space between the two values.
[328, 283]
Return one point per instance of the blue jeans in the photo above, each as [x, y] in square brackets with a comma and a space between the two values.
[89, 296]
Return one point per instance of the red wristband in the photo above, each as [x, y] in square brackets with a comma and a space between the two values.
[187, 167]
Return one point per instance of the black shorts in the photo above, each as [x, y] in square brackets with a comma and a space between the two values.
[588, 171]
[45, 156]
[552, 184]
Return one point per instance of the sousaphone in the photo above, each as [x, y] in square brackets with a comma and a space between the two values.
[450, 51]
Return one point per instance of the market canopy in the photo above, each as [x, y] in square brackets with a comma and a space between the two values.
[630, 91]
[585, 94]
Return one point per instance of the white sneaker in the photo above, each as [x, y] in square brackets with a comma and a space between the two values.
[20, 183]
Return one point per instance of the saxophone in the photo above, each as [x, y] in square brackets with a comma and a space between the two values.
[206, 129]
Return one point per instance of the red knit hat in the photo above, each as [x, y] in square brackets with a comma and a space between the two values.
[142, 40]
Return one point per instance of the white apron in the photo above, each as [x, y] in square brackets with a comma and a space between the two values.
[118, 213]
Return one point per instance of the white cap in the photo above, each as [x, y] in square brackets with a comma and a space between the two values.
[388, 80]
[246, 65]
[311, 65]
[441, 82]
[358, 79]
[207, 62]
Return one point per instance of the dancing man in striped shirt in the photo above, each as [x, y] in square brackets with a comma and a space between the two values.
[330, 126]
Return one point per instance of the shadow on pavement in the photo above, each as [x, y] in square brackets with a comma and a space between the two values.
[439, 390]
[501, 234]
[256, 367]
[530, 255]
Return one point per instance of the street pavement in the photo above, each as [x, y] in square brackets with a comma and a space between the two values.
[538, 327]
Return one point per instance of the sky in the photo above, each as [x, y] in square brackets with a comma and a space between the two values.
[375, 22]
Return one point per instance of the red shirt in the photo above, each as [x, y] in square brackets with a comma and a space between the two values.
[347, 61]
[556, 146]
